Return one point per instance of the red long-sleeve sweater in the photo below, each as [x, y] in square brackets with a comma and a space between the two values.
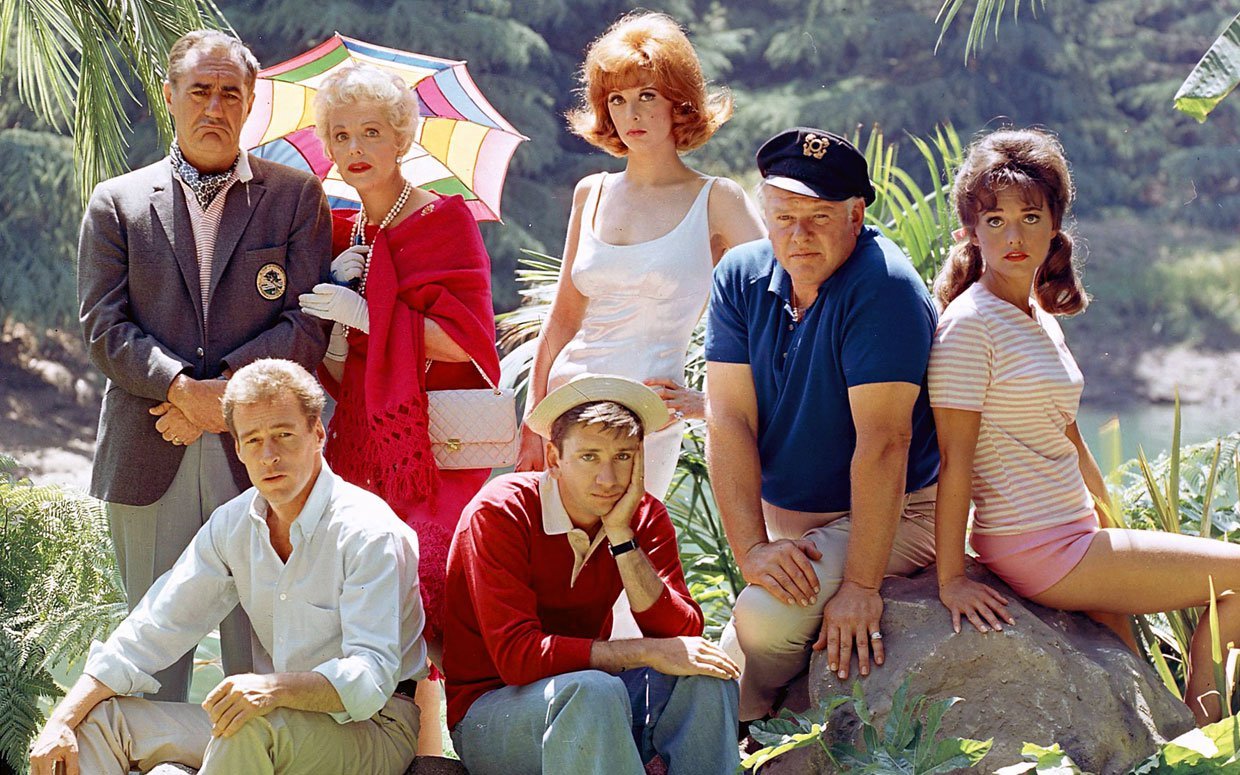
[512, 615]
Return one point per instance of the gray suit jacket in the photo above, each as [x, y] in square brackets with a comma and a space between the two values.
[141, 307]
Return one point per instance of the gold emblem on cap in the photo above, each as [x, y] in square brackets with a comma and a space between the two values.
[271, 281]
[815, 146]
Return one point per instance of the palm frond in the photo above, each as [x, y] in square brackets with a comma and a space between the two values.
[1214, 77]
[75, 60]
[43, 38]
[986, 16]
[919, 221]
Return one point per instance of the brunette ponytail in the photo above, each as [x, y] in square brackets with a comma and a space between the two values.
[962, 268]
[1057, 283]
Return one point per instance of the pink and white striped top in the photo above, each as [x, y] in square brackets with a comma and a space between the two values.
[990, 357]
[206, 224]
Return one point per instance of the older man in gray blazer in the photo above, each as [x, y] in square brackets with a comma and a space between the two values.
[189, 269]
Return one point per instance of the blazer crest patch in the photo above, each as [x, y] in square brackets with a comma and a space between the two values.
[271, 281]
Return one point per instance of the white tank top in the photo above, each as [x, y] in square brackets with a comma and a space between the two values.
[644, 301]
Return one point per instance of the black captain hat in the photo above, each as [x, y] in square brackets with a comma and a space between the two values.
[817, 163]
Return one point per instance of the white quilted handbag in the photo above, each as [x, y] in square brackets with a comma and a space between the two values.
[474, 428]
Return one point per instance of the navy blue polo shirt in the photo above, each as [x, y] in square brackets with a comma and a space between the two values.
[873, 321]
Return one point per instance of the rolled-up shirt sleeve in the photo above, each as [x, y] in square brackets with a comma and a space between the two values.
[179, 609]
[379, 600]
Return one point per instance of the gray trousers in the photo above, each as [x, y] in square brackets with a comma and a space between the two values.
[149, 539]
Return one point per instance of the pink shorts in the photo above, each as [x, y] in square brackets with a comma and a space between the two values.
[1033, 562]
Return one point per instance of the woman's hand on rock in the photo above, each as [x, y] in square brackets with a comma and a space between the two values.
[977, 602]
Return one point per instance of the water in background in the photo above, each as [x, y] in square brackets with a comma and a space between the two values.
[1150, 425]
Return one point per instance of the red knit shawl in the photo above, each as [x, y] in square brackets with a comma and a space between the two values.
[432, 264]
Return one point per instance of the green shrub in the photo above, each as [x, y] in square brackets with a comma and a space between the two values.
[59, 590]
[39, 218]
[906, 743]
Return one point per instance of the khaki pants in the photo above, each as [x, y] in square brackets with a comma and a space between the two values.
[149, 539]
[770, 639]
[129, 732]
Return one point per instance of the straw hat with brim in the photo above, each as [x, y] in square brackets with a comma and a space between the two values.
[629, 393]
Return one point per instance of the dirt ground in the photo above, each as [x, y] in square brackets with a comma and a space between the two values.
[49, 407]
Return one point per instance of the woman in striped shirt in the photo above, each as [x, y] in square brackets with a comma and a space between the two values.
[1005, 391]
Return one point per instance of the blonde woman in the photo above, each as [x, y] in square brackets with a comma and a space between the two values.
[420, 294]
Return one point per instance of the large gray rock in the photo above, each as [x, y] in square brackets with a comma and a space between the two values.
[1053, 677]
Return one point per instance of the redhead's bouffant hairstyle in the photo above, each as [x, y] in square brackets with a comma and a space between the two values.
[1033, 162]
[640, 49]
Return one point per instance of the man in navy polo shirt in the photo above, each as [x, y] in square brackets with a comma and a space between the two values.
[821, 442]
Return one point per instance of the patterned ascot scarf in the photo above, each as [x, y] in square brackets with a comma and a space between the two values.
[204, 186]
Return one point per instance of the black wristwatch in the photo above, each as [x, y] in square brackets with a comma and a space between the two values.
[619, 549]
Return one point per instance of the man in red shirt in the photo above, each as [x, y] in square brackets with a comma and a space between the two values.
[532, 684]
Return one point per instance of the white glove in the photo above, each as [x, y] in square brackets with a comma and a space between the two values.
[338, 345]
[349, 264]
[338, 303]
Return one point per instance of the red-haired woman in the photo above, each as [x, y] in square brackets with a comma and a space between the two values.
[641, 243]
[1005, 391]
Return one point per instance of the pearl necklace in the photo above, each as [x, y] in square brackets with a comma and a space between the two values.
[359, 234]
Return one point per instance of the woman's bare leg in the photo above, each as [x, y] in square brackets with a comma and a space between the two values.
[1142, 572]
[429, 700]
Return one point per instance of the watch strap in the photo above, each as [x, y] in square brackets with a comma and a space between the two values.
[622, 548]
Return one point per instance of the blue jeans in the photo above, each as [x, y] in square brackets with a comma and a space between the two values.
[595, 723]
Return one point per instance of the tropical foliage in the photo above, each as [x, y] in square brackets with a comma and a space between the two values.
[1192, 490]
[72, 76]
[905, 742]
[986, 15]
[59, 590]
[1214, 77]
[908, 743]
[39, 217]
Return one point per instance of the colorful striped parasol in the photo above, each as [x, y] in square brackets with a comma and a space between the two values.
[462, 146]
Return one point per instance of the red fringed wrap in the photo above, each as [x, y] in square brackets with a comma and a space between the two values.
[432, 264]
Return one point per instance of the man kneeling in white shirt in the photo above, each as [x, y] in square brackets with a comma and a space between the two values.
[329, 578]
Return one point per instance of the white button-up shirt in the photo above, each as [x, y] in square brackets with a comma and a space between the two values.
[346, 605]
